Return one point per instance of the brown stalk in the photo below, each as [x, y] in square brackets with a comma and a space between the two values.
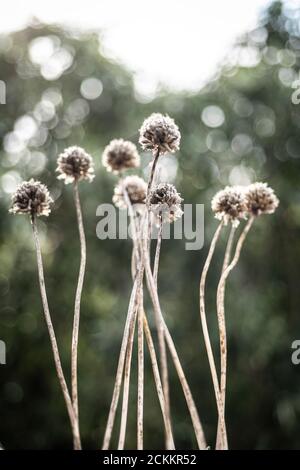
[221, 307]
[76, 320]
[186, 390]
[227, 257]
[208, 346]
[160, 332]
[58, 366]
[128, 325]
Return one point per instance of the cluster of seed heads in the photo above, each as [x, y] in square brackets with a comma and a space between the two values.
[237, 202]
[158, 133]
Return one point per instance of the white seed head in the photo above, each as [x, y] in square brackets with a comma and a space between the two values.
[75, 164]
[160, 132]
[261, 199]
[33, 198]
[135, 189]
[165, 202]
[120, 155]
[229, 204]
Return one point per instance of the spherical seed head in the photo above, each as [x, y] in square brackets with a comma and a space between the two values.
[120, 155]
[159, 132]
[75, 164]
[136, 189]
[229, 204]
[260, 199]
[31, 197]
[165, 202]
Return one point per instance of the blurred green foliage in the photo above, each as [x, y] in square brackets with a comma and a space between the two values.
[242, 126]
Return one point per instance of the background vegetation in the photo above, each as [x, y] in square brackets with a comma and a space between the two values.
[251, 133]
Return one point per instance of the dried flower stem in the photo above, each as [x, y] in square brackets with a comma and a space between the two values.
[130, 321]
[140, 396]
[156, 154]
[186, 390]
[166, 417]
[134, 263]
[135, 256]
[161, 338]
[75, 332]
[223, 333]
[59, 370]
[159, 326]
[126, 384]
[158, 384]
[208, 346]
[221, 308]
[157, 252]
[116, 393]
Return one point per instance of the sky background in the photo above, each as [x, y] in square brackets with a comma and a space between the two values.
[177, 43]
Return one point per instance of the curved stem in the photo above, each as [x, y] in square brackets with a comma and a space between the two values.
[158, 384]
[75, 332]
[126, 385]
[223, 333]
[186, 390]
[166, 415]
[161, 338]
[221, 307]
[208, 346]
[58, 366]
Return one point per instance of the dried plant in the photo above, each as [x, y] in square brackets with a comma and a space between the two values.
[134, 188]
[159, 132]
[261, 199]
[120, 155]
[122, 356]
[165, 202]
[229, 205]
[75, 165]
[226, 261]
[163, 197]
[32, 198]
[186, 389]
[148, 204]
[206, 336]
[258, 199]
[127, 347]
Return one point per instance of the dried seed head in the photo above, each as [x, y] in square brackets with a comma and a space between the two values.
[229, 204]
[159, 132]
[260, 199]
[136, 189]
[31, 197]
[165, 202]
[120, 155]
[75, 164]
